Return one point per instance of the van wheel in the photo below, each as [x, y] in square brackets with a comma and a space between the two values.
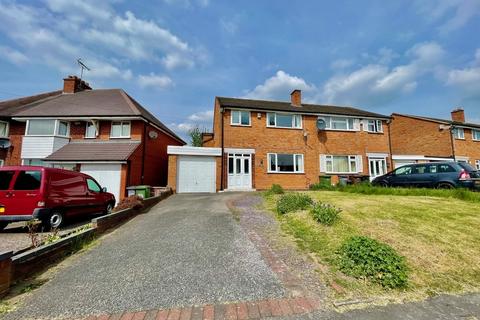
[54, 221]
[109, 208]
[445, 185]
[3, 224]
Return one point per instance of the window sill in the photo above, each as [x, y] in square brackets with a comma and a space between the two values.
[460, 139]
[373, 132]
[120, 137]
[240, 125]
[341, 130]
[274, 127]
[274, 172]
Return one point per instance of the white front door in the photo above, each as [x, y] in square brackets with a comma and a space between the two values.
[108, 175]
[239, 171]
[377, 167]
[196, 174]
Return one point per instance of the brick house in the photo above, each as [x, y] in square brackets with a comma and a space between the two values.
[434, 139]
[104, 133]
[262, 143]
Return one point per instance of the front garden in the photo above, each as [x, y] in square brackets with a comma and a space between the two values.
[394, 243]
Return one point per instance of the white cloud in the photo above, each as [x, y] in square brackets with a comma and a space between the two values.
[202, 116]
[466, 80]
[12, 55]
[341, 64]
[277, 86]
[154, 81]
[450, 15]
[188, 3]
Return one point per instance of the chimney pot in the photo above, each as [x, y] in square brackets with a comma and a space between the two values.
[72, 84]
[296, 98]
[458, 115]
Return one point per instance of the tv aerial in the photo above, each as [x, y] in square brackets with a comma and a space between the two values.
[83, 66]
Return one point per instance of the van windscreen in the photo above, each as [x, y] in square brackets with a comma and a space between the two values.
[5, 179]
[28, 180]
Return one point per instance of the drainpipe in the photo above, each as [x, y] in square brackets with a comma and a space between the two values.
[389, 122]
[144, 150]
[223, 154]
[452, 142]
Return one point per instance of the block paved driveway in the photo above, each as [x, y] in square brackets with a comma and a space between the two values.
[187, 250]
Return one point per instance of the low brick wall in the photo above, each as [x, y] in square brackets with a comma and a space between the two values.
[20, 266]
[5, 272]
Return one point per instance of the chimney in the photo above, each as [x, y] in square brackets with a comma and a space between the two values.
[73, 84]
[458, 115]
[296, 97]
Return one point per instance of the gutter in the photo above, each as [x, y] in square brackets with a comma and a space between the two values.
[390, 143]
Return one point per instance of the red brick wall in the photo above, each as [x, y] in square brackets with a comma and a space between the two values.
[77, 130]
[411, 136]
[274, 140]
[13, 156]
[468, 147]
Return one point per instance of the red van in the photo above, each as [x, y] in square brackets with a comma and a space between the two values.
[50, 195]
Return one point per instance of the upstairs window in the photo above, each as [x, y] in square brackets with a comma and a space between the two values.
[284, 120]
[240, 118]
[90, 130]
[41, 127]
[120, 129]
[339, 123]
[3, 129]
[476, 135]
[375, 126]
[458, 133]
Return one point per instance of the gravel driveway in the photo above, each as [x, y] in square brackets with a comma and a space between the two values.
[187, 250]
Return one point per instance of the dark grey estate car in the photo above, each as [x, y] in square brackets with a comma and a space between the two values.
[445, 175]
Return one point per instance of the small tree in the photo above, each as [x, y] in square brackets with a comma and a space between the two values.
[195, 136]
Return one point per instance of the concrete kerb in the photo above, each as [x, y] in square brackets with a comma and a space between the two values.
[17, 267]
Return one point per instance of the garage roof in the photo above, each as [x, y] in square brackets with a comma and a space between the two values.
[95, 151]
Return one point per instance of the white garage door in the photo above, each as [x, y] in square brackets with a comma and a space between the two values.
[108, 175]
[196, 174]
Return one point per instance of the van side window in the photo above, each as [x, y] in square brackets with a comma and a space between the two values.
[420, 170]
[93, 186]
[433, 168]
[5, 179]
[442, 168]
[403, 171]
[28, 180]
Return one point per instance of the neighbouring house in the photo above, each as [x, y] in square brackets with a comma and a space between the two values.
[104, 133]
[424, 139]
[257, 143]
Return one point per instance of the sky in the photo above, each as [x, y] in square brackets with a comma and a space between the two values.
[174, 56]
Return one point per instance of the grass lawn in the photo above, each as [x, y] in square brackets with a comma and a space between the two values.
[440, 238]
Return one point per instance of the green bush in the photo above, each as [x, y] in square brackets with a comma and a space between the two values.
[322, 185]
[291, 202]
[363, 257]
[276, 189]
[325, 213]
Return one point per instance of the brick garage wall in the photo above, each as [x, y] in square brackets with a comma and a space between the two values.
[468, 147]
[14, 153]
[274, 140]
[172, 172]
[5, 272]
[412, 136]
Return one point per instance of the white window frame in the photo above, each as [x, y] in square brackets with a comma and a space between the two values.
[377, 126]
[330, 119]
[7, 129]
[2, 162]
[475, 132]
[240, 118]
[293, 115]
[56, 128]
[95, 135]
[456, 133]
[122, 123]
[477, 164]
[351, 159]
[295, 155]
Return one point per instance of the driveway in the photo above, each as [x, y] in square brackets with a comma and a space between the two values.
[188, 250]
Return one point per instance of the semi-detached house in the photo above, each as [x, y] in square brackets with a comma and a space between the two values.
[257, 143]
[104, 133]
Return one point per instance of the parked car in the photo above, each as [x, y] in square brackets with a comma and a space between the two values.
[50, 195]
[443, 175]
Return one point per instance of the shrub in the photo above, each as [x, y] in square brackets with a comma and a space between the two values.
[291, 202]
[363, 257]
[322, 185]
[134, 202]
[325, 213]
[276, 189]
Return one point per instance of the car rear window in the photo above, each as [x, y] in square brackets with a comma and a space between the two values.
[466, 166]
[5, 179]
[28, 180]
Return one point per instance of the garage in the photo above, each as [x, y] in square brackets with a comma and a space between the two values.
[108, 175]
[193, 169]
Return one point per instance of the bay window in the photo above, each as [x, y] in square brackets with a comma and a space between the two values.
[44, 127]
[240, 118]
[284, 120]
[476, 135]
[120, 129]
[3, 129]
[339, 123]
[374, 126]
[286, 163]
[341, 164]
